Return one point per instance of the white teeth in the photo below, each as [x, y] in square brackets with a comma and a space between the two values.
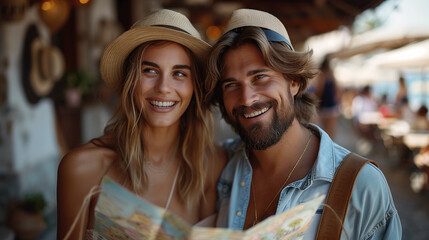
[162, 104]
[257, 113]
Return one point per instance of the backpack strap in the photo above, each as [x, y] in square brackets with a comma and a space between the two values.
[339, 196]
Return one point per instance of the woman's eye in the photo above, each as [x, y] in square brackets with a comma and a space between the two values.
[180, 74]
[149, 70]
[229, 85]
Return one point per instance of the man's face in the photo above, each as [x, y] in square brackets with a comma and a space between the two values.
[258, 100]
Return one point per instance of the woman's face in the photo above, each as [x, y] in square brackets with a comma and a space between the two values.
[165, 88]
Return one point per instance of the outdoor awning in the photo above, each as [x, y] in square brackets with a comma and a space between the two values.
[411, 56]
[356, 72]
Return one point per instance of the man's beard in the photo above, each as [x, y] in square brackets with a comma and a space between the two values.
[258, 137]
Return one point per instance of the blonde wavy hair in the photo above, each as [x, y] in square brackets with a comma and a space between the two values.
[195, 143]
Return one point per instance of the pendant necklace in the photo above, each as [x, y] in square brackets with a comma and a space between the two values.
[255, 221]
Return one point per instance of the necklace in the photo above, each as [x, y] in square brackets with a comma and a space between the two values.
[255, 221]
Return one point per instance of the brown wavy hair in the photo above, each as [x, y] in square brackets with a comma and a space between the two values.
[195, 143]
[295, 66]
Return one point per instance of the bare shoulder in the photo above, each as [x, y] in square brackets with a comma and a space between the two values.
[89, 162]
[79, 172]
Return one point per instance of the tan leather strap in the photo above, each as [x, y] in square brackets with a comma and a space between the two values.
[339, 196]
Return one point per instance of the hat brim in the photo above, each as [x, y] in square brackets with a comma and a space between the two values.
[115, 54]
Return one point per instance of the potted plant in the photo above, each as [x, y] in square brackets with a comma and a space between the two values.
[27, 216]
[78, 83]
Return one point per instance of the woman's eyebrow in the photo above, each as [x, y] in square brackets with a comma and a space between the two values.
[181, 67]
[227, 80]
[150, 64]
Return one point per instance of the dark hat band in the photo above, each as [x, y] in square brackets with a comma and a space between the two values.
[273, 36]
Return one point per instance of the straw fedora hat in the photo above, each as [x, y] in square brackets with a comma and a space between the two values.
[272, 26]
[47, 67]
[160, 25]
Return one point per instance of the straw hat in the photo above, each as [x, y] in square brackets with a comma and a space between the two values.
[47, 67]
[160, 25]
[272, 26]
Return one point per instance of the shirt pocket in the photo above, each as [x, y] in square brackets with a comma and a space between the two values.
[224, 188]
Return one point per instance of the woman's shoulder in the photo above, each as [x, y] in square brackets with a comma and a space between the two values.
[79, 172]
[88, 160]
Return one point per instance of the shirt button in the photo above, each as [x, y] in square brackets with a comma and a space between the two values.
[225, 190]
[242, 184]
[239, 213]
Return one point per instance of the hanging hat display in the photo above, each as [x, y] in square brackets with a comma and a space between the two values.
[47, 67]
[43, 65]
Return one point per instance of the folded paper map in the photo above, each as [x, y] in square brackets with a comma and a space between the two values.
[119, 214]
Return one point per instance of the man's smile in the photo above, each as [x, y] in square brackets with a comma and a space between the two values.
[256, 113]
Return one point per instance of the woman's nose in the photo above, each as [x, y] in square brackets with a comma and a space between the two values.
[163, 84]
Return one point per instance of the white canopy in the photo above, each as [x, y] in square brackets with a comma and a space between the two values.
[356, 71]
[411, 56]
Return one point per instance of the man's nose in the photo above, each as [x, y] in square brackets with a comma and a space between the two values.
[248, 95]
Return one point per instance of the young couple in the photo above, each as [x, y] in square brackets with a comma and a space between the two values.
[159, 142]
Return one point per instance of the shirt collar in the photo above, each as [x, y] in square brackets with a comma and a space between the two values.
[324, 166]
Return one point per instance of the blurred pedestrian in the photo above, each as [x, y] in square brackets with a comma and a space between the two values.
[401, 94]
[405, 112]
[329, 94]
[362, 104]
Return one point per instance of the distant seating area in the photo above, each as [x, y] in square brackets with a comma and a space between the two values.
[409, 144]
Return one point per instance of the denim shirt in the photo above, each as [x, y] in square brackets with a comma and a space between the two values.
[371, 213]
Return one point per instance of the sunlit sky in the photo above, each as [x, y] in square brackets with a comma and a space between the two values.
[397, 13]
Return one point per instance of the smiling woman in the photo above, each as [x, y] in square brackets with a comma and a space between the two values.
[165, 88]
[158, 144]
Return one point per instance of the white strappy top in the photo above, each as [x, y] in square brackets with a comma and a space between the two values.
[170, 196]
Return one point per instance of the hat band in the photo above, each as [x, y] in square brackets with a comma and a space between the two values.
[171, 27]
[276, 37]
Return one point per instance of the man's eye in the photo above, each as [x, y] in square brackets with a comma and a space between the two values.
[260, 76]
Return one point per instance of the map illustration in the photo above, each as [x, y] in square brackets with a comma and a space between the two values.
[119, 214]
